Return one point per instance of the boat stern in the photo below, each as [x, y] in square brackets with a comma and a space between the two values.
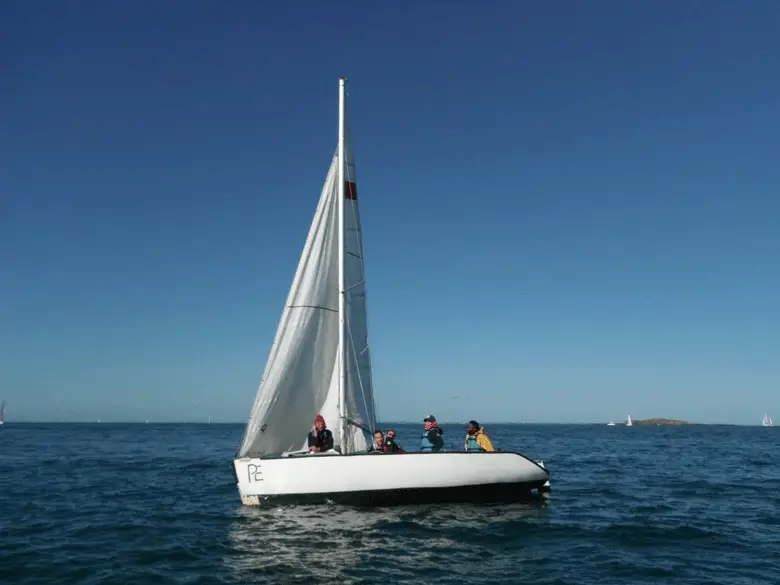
[545, 489]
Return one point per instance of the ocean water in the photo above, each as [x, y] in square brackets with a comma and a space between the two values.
[126, 504]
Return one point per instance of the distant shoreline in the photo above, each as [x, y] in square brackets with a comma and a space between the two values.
[488, 424]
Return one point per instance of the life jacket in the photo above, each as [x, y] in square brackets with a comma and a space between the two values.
[426, 444]
[471, 443]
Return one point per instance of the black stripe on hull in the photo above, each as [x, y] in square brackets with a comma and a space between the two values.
[470, 494]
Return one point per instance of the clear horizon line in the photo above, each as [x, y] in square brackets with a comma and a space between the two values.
[402, 422]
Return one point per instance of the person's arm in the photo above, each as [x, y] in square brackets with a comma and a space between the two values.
[439, 440]
[329, 441]
[313, 441]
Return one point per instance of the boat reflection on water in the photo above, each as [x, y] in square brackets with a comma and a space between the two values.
[339, 544]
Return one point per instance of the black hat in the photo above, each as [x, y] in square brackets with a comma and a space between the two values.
[429, 418]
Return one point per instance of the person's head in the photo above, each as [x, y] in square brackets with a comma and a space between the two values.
[379, 438]
[319, 422]
[472, 427]
[391, 434]
[429, 421]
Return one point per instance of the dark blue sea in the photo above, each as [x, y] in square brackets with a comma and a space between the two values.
[146, 503]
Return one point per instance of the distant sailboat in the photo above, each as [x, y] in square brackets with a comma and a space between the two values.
[610, 424]
[2, 413]
[629, 422]
[767, 422]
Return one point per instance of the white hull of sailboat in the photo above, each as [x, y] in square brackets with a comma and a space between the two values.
[390, 479]
[320, 364]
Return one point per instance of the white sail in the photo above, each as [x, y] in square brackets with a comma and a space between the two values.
[302, 375]
[767, 420]
[2, 412]
[360, 406]
[629, 422]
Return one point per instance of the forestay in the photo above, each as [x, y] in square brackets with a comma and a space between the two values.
[301, 377]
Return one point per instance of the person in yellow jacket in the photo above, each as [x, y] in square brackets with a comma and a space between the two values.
[476, 439]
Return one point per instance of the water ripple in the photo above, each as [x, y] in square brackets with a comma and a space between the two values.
[147, 504]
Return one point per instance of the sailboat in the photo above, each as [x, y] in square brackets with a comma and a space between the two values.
[629, 422]
[320, 363]
[767, 421]
[2, 413]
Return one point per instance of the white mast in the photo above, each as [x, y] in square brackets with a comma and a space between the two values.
[342, 321]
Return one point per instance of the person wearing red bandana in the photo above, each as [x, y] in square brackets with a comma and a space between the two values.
[320, 437]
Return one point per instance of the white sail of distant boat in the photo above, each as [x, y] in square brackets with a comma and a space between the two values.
[767, 421]
[2, 413]
[320, 363]
[629, 422]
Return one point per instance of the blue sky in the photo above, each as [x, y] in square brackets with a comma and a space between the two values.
[571, 209]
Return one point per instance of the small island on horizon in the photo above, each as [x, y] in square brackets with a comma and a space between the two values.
[659, 422]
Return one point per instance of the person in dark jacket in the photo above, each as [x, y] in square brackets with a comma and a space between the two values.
[431, 439]
[392, 446]
[320, 437]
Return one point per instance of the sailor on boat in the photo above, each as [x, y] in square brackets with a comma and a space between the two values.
[320, 437]
[431, 440]
[392, 446]
[382, 444]
[476, 439]
[378, 446]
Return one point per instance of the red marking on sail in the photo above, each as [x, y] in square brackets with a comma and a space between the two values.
[350, 190]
